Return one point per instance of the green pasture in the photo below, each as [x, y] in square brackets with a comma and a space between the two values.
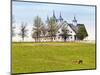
[52, 56]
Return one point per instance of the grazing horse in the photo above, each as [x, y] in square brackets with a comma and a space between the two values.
[80, 61]
[77, 61]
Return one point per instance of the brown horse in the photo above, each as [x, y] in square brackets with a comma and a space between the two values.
[77, 61]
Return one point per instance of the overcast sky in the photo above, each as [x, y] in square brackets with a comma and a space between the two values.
[26, 11]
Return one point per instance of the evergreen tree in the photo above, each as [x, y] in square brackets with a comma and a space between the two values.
[82, 33]
[52, 27]
[43, 30]
[37, 28]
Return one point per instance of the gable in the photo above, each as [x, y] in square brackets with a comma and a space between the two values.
[74, 28]
[71, 30]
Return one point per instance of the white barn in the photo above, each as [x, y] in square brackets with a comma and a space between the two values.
[72, 30]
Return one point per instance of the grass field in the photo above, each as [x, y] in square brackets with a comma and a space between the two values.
[41, 57]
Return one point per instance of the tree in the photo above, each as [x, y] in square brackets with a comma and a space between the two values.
[13, 27]
[23, 31]
[64, 32]
[37, 28]
[43, 30]
[82, 33]
[52, 27]
[13, 31]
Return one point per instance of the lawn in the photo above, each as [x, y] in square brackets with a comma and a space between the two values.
[41, 57]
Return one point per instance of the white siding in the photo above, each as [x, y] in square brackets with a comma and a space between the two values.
[29, 37]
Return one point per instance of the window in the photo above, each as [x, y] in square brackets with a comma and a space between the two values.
[71, 37]
[58, 37]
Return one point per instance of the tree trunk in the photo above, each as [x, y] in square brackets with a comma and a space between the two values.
[65, 39]
[22, 39]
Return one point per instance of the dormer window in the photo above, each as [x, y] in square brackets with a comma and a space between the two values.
[58, 31]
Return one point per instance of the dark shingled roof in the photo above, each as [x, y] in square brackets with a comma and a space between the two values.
[75, 28]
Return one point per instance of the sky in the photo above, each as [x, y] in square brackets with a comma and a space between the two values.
[27, 11]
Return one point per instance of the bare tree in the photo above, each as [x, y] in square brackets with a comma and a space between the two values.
[23, 31]
[13, 27]
[13, 31]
